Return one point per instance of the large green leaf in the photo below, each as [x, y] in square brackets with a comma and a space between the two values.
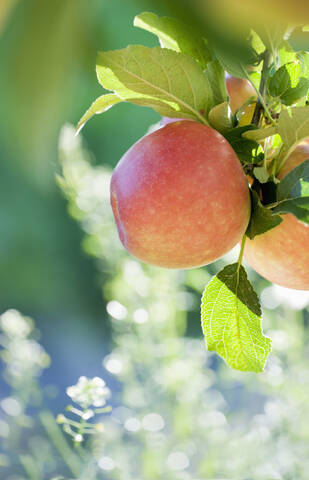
[172, 83]
[175, 35]
[231, 320]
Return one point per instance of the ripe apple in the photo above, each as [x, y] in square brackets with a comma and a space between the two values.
[180, 197]
[282, 254]
[240, 90]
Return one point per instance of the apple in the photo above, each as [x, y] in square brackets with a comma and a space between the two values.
[179, 196]
[281, 255]
[239, 91]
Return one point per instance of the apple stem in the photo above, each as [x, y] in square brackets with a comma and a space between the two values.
[241, 253]
[260, 104]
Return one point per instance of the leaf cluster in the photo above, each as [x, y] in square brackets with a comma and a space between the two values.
[185, 77]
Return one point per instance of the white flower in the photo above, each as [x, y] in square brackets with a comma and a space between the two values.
[89, 391]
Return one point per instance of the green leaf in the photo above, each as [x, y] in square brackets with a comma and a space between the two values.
[261, 174]
[233, 66]
[259, 133]
[172, 83]
[175, 35]
[279, 82]
[286, 53]
[100, 105]
[293, 127]
[231, 320]
[299, 207]
[236, 54]
[216, 78]
[303, 58]
[296, 93]
[295, 184]
[288, 84]
[272, 35]
[255, 79]
[293, 193]
[220, 117]
[262, 219]
[248, 150]
[256, 42]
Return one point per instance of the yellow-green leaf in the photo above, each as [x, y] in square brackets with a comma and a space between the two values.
[231, 320]
[156, 77]
[100, 105]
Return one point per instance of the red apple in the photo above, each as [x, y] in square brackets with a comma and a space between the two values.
[179, 196]
[282, 254]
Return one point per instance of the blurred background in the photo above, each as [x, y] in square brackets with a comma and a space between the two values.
[98, 312]
[48, 52]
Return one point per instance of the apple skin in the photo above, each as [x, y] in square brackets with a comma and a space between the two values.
[281, 255]
[239, 90]
[180, 197]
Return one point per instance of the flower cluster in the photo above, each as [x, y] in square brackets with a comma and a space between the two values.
[89, 391]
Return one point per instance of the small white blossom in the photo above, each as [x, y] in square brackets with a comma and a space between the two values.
[89, 391]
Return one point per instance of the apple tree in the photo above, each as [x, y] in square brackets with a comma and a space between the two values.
[230, 166]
